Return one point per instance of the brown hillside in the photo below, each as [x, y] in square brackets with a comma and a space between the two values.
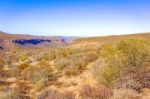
[112, 38]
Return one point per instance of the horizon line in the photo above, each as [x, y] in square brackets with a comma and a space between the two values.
[121, 34]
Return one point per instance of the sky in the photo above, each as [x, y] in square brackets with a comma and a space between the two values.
[74, 17]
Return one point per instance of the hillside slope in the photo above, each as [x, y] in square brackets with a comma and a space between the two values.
[112, 38]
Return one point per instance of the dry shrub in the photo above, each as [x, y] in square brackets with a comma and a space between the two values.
[88, 92]
[50, 79]
[49, 94]
[21, 90]
[83, 58]
[145, 94]
[72, 70]
[75, 63]
[22, 66]
[2, 61]
[137, 80]
[44, 54]
[53, 94]
[61, 63]
[40, 75]
[68, 95]
[36, 73]
[125, 94]
[8, 95]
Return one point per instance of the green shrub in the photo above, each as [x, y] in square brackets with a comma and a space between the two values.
[109, 74]
[103, 73]
[23, 58]
[125, 61]
[136, 52]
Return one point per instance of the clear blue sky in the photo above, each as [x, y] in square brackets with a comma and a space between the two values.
[74, 17]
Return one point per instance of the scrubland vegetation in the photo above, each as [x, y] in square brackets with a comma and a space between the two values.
[116, 70]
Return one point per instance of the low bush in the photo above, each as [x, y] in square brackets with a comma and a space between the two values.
[125, 94]
[103, 73]
[21, 90]
[36, 73]
[76, 63]
[23, 58]
[88, 92]
[54, 94]
[61, 63]
[2, 61]
[125, 64]
[22, 66]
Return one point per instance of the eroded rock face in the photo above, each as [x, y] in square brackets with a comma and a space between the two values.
[31, 41]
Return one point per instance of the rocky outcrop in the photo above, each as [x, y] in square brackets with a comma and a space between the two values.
[31, 41]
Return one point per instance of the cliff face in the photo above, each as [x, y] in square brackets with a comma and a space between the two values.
[31, 41]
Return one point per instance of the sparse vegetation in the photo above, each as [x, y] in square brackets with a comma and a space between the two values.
[116, 70]
[102, 92]
[126, 64]
[75, 63]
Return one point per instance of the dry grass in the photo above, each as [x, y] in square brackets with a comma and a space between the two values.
[125, 94]
[54, 94]
[119, 71]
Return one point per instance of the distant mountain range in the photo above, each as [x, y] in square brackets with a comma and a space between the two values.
[9, 41]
